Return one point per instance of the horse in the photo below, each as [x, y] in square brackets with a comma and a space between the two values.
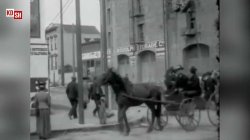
[129, 94]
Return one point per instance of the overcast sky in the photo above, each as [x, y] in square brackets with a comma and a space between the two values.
[90, 12]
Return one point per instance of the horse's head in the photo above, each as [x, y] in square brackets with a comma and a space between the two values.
[107, 77]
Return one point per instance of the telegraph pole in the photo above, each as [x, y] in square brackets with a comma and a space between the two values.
[79, 62]
[62, 44]
[166, 11]
[164, 33]
[104, 42]
[73, 50]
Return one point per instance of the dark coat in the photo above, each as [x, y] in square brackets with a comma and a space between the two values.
[194, 83]
[72, 91]
[95, 92]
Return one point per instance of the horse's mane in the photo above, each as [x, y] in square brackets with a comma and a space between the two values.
[120, 81]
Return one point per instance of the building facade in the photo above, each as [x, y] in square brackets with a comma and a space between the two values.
[136, 36]
[91, 57]
[52, 33]
[193, 34]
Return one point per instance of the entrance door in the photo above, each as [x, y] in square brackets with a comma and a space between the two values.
[123, 65]
[198, 56]
[146, 64]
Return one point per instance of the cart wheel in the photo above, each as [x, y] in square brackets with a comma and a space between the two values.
[188, 116]
[164, 118]
[212, 109]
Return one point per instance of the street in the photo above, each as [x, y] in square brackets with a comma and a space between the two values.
[172, 131]
[169, 133]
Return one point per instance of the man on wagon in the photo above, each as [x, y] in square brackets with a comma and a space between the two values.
[193, 87]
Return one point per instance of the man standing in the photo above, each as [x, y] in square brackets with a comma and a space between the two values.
[72, 94]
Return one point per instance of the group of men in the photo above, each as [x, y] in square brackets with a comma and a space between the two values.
[177, 82]
[72, 94]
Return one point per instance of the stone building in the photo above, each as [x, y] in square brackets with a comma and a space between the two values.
[52, 33]
[137, 30]
[192, 36]
[135, 35]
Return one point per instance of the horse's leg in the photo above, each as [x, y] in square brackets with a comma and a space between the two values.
[158, 116]
[152, 108]
[126, 121]
[120, 118]
[96, 108]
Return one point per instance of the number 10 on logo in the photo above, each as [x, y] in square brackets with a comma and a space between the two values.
[16, 14]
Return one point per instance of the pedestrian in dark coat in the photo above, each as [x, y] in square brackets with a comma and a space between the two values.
[95, 93]
[72, 94]
[42, 105]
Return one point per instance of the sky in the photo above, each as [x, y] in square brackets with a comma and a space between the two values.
[90, 12]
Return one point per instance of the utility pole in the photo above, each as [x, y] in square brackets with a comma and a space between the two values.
[79, 62]
[164, 33]
[166, 11]
[73, 50]
[104, 42]
[62, 44]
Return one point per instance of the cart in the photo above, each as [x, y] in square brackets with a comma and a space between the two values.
[184, 110]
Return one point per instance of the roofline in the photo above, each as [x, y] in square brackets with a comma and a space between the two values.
[91, 42]
[53, 26]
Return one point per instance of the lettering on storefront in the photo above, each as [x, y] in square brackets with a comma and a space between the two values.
[155, 45]
[39, 51]
[94, 55]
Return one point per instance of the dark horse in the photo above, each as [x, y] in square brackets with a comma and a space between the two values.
[128, 95]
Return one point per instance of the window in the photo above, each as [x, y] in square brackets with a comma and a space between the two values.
[55, 44]
[140, 32]
[92, 63]
[191, 19]
[87, 39]
[109, 16]
[51, 45]
[109, 40]
[55, 62]
[51, 62]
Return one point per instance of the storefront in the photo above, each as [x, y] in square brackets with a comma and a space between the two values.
[142, 63]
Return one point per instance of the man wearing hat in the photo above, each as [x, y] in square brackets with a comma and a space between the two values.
[42, 105]
[72, 94]
[194, 88]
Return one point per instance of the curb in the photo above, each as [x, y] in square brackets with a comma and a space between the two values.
[92, 128]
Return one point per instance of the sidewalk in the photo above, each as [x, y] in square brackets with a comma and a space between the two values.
[61, 123]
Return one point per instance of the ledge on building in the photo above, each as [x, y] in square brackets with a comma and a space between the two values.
[189, 32]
